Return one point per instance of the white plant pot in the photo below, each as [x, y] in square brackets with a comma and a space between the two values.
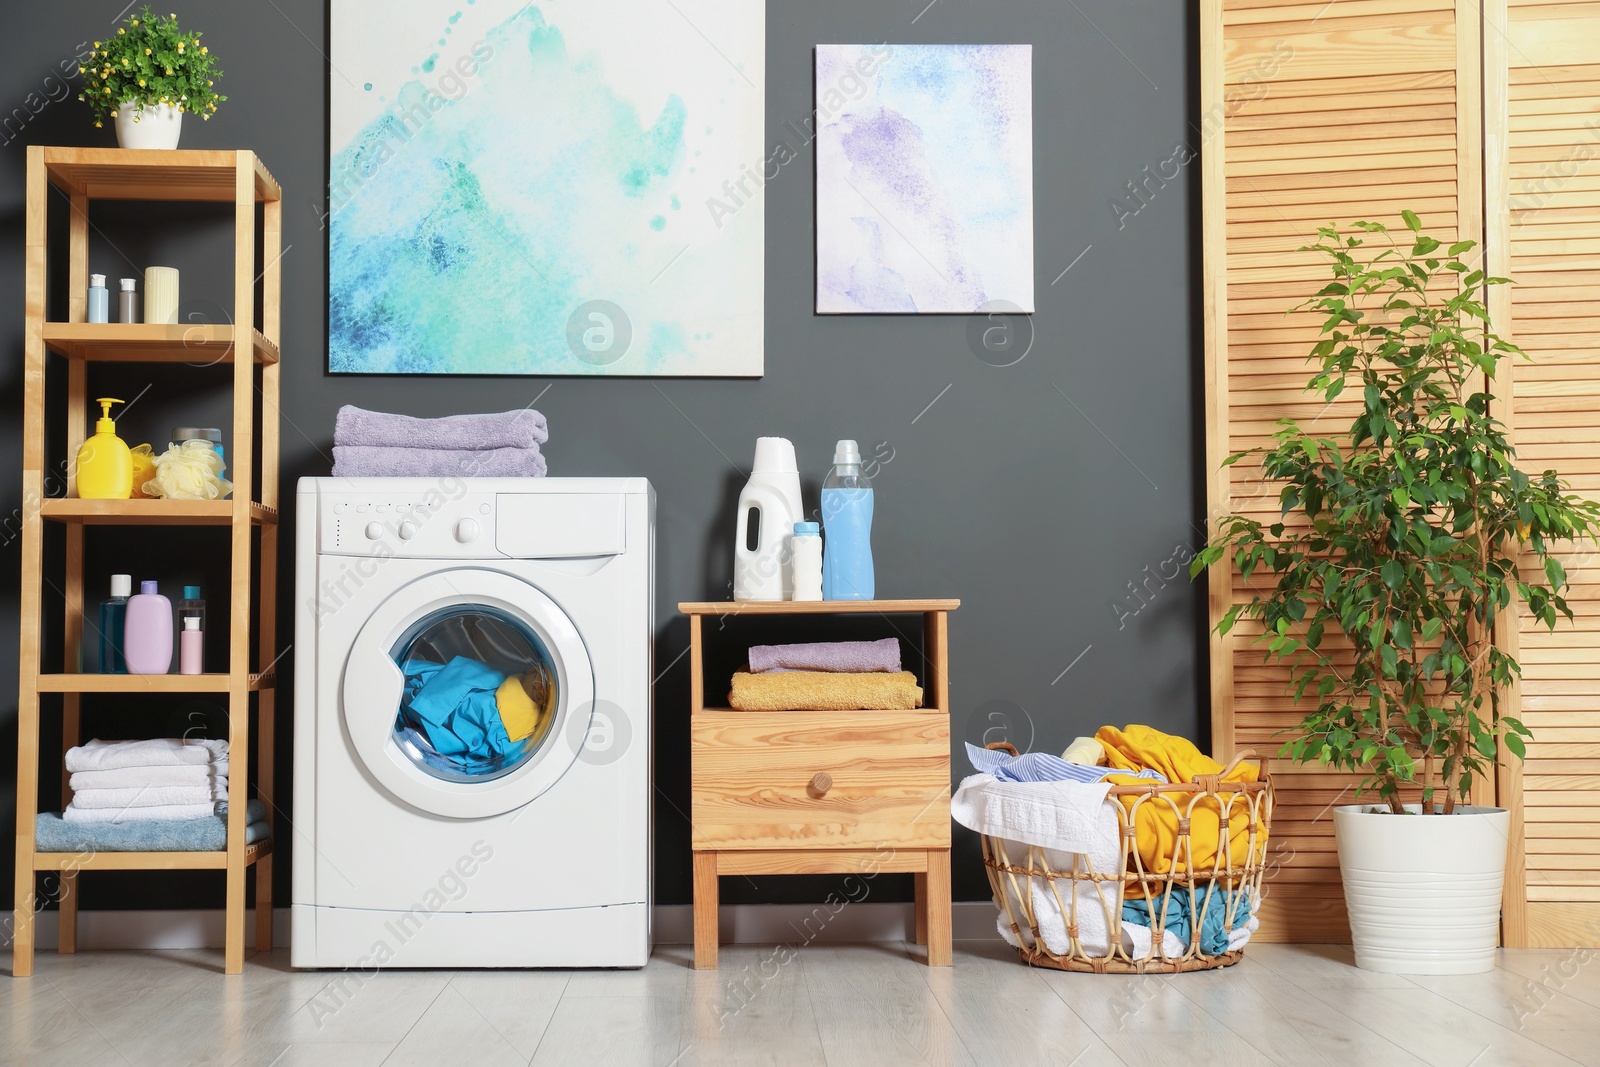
[148, 125]
[1423, 891]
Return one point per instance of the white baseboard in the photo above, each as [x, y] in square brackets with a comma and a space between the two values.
[759, 924]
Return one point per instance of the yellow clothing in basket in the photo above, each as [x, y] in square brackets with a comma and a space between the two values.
[1156, 821]
[824, 691]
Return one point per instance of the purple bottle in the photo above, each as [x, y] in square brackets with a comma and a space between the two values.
[147, 632]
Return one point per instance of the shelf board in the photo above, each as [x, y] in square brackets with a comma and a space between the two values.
[199, 344]
[148, 683]
[816, 607]
[147, 861]
[144, 174]
[151, 511]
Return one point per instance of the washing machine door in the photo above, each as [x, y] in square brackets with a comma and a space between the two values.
[468, 693]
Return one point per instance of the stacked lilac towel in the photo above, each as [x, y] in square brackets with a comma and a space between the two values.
[837, 657]
[374, 444]
[825, 676]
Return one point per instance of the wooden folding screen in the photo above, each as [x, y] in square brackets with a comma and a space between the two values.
[1542, 168]
[1312, 113]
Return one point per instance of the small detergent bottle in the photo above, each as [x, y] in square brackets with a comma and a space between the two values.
[127, 302]
[191, 630]
[105, 464]
[99, 299]
[147, 640]
[807, 561]
[847, 520]
[113, 622]
[191, 646]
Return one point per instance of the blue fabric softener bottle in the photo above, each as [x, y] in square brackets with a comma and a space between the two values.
[847, 526]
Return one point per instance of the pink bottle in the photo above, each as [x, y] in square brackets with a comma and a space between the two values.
[147, 634]
[191, 646]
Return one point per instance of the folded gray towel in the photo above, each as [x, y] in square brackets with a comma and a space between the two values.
[361, 461]
[523, 428]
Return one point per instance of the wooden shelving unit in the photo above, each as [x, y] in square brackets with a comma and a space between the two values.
[86, 174]
[823, 792]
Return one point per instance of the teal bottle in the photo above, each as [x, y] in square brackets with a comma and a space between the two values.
[113, 625]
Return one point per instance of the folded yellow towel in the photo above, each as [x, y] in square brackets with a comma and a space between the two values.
[824, 691]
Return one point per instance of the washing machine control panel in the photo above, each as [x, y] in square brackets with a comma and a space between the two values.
[432, 523]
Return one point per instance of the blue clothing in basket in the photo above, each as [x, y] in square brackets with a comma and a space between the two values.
[1043, 767]
[1176, 916]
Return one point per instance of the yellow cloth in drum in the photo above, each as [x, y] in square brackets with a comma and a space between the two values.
[518, 712]
[1156, 821]
[824, 691]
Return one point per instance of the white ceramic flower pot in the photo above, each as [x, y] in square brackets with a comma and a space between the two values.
[148, 126]
[1423, 891]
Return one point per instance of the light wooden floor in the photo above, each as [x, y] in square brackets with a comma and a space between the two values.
[830, 1005]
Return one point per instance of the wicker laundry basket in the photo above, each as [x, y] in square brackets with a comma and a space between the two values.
[1021, 876]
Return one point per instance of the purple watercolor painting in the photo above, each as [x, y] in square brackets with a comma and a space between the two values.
[924, 178]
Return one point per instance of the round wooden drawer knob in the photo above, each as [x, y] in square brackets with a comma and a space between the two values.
[821, 782]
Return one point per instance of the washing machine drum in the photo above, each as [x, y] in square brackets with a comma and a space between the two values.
[468, 693]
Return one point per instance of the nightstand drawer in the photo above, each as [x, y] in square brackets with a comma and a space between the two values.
[820, 779]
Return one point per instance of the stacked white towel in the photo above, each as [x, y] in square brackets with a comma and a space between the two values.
[134, 781]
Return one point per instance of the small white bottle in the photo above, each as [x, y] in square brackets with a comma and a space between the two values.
[807, 548]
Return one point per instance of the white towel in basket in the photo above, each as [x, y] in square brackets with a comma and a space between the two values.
[1094, 901]
[1058, 815]
[1059, 818]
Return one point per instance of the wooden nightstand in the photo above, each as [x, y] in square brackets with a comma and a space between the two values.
[824, 792]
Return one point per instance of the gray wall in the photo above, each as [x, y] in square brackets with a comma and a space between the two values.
[1040, 494]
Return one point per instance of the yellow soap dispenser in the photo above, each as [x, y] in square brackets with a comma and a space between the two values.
[105, 465]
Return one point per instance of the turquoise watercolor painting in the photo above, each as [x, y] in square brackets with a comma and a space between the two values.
[924, 178]
[544, 188]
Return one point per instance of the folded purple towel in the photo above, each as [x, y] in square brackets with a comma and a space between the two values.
[841, 657]
[362, 461]
[523, 428]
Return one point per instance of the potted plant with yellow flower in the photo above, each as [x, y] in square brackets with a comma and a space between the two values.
[147, 76]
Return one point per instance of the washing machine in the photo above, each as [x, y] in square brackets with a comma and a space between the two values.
[418, 843]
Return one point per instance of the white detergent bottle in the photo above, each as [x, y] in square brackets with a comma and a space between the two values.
[769, 507]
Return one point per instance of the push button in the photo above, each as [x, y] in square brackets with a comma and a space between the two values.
[374, 530]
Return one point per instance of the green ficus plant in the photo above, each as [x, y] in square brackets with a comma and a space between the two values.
[1399, 542]
[151, 61]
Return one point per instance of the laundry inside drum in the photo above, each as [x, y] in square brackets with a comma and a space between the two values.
[481, 694]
